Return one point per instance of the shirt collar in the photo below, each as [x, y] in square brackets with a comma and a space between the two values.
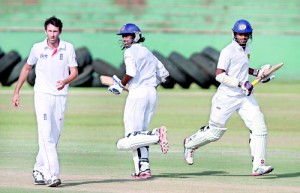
[237, 46]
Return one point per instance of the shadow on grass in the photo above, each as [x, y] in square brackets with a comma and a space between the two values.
[178, 175]
[289, 175]
[77, 183]
[189, 175]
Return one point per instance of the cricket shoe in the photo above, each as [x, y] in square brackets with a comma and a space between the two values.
[261, 170]
[38, 177]
[188, 154]
[53, 182]
[163, 141]
[142, 174]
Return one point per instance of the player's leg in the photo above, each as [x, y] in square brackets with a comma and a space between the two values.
[57, 121]
[254, 120]
[137, 140]
[47, 143]
[142, 166]
[221, 109]
[149, 112]
[37, 173]
[134, 120]
[42, 104]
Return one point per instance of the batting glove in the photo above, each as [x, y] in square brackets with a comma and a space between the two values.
[247, 88]
[117, 81]
[268, 78]
[115, 89]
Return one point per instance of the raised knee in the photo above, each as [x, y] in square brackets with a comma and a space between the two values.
[124, 144]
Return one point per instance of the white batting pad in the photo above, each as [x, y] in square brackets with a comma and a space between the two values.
[258, 149]
[136, 141]
[258, 140]
[202, 138]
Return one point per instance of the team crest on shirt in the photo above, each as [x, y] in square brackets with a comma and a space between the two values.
[248, 56]
[43, 56]
[61, 57]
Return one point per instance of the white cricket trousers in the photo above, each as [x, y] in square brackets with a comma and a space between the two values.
[139, 109]
[50, 117]
[224, 106]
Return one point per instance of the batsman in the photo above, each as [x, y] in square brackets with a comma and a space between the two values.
[144, 72]
[235, 94]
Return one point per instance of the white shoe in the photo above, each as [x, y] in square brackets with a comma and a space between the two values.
[188, 154]
[53, 182]
[142, 174]
[38, 177]
[163, 141]
[261, 170]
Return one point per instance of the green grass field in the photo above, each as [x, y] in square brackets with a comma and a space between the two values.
[90, 161]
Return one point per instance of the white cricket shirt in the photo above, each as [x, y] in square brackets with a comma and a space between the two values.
[235, 61]
[143, 66]
[51, 66]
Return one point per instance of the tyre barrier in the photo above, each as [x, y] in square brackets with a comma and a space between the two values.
[7, 64]
[193, 73]
[199, 68]
[83, 57]
[1, 53]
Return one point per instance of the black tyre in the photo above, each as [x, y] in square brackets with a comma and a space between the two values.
[104, 68]
[206, 65]
[169, 83]
[211, 53]
[174, 71]
[7, 63]
[84, 79]
[1, 53]
[83, 57]
[96, 80]
[14, 75]
[196, 74]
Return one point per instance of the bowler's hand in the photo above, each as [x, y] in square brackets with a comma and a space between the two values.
[60, 84]
[16, 100]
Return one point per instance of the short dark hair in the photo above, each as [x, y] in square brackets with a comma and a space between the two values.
[54, 21]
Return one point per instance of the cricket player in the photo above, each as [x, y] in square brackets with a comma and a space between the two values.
[144, 72]
[56, 67]
[235, 95]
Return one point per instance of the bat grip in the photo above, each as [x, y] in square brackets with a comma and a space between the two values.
[254, 82]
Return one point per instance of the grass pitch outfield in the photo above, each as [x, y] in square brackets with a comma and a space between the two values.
[90, 161]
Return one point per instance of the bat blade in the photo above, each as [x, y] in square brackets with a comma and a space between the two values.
[106, 80]
[268, 72]
[273, 69]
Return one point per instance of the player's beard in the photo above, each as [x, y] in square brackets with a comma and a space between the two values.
[241, 41]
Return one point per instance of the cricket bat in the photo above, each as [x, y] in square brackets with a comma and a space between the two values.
[108, 81]
[268, 72]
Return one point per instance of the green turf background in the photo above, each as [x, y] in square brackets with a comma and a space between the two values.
[94, 123]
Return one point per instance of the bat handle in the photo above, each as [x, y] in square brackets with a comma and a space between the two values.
[254, 82]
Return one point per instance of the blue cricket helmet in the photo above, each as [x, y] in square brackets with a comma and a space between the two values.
[129, 28]
[242, 26]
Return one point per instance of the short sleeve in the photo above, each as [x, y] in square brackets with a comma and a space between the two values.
[32, 58]
[224, 60]
[129, 63]
[72, 57]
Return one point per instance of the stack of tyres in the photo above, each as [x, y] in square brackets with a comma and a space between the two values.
[7, 64]
[192, 73]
